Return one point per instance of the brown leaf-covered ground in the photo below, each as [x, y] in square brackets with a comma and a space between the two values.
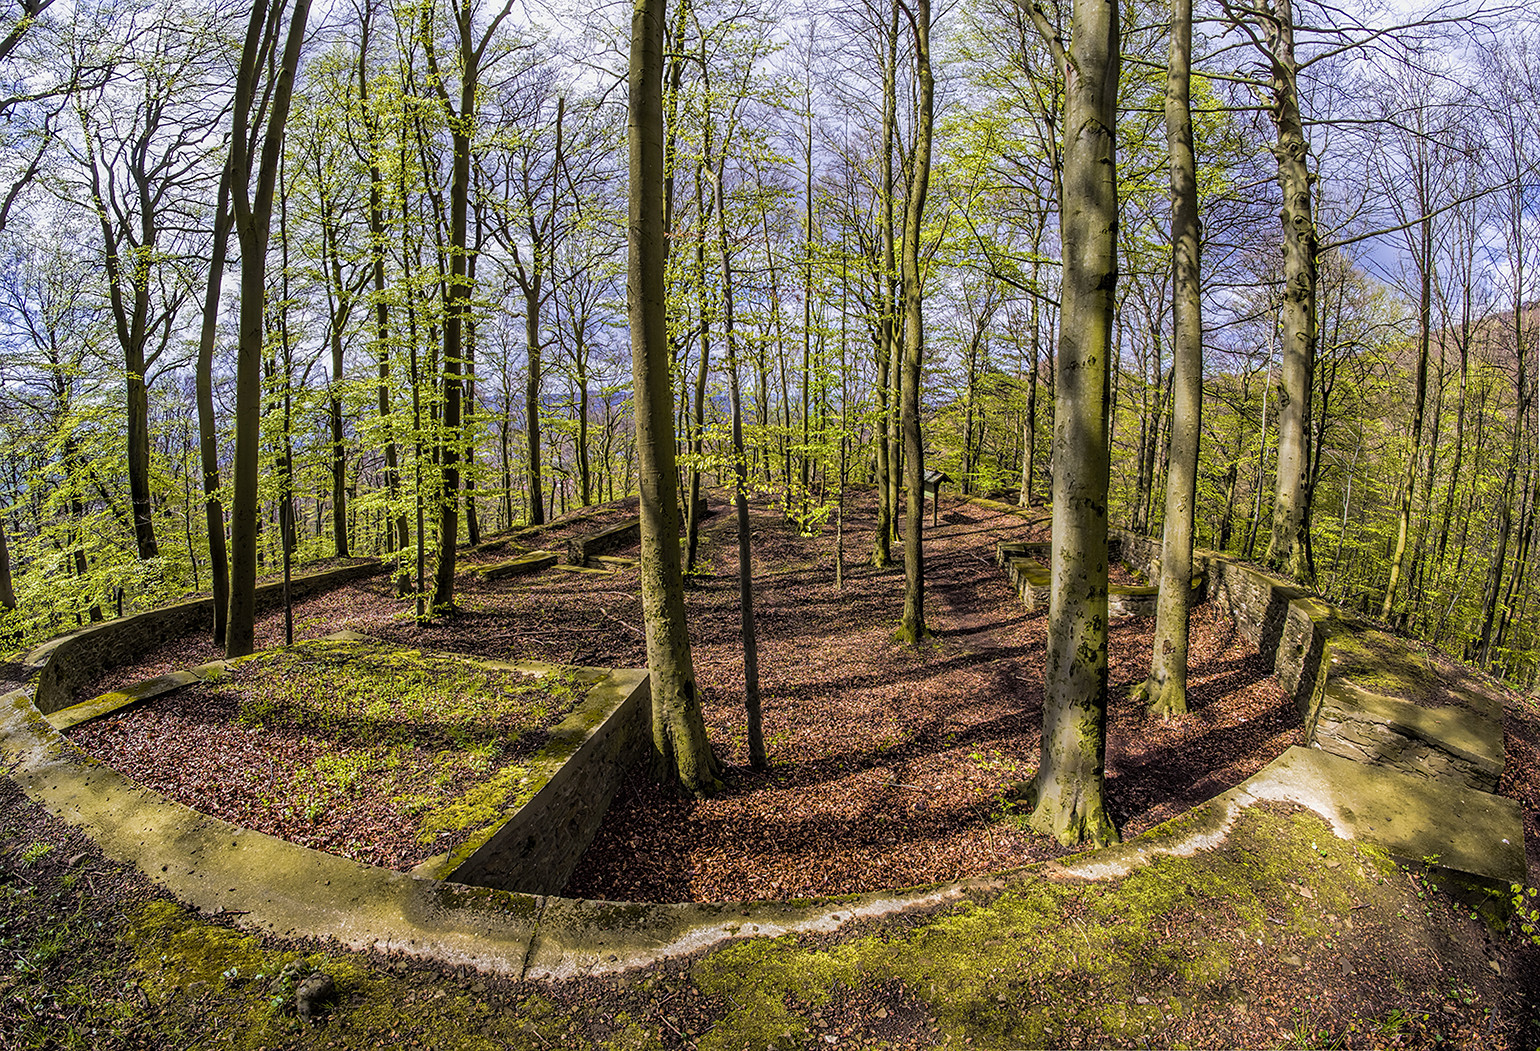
[1413, 971]
[375, 756]
[888, 766]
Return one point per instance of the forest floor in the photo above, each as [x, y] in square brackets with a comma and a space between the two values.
[887, 768]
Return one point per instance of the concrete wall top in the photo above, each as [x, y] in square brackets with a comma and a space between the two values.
[61, 665]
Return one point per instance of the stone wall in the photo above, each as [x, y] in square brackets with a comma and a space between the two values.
[1026, 563]
[61, 666]
[576, 775]
[1276, 616]
[581, 548]
[1362, 694]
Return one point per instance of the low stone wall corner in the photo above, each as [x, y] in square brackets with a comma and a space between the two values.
[537, 848]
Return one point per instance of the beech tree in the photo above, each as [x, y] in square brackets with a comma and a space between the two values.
[1165, 690]
[1067, 798]
[144, 164]
[912, 627]
[471, 49]
[681, 751]
[263, 90]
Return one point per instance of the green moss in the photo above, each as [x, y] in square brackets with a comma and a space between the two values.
[484, 804]
[1047, 955]
[1382, 664]
[226, 981]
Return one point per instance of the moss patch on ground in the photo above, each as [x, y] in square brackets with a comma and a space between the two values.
[243, 992]
[1051, 962]
[1238, 947]
[380, 754]
[455, 731]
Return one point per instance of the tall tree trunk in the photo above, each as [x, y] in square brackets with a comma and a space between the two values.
[7, 591]
[1029, 426]
[1518, 209]
[208, 440]
[681, 750]
[912, 628]
[253, 223]
[472, 526]
[1297, 317]
[751, 700]
[698, 438]
[1068, 796]
[886, 285]
[339, 312]
[457, 291]
[532, 296]
[128, 287]
[396, 515]
[1166, 688]
[1419, 402]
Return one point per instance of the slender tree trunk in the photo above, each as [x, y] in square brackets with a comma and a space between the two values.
[468, 410]
[7, 591]
[912, 628]
[886, 284]
[339, 314]
[1029, 426]
[396, 514]
[681, 750]
[751, 700]
[253, 222]
[1166, 688]
[1257, 485]
[208, 440]
[882, 536]
[1068, 796]
[532, 296]
[1419, 406]
[1286, 549]
[698, 438]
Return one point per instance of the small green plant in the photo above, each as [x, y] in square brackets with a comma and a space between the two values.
[1392, 1023]
[1525, 923]
[34, 852]
[995, 761]
[1304, 1032]
[346, 770]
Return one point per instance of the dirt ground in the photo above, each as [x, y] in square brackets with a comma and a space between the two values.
[887, 767]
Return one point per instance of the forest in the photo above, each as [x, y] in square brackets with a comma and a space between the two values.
[418, 335]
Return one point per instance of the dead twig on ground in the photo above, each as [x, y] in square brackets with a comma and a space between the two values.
[629, 627]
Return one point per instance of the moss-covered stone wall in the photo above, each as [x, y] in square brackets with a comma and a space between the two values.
[558, 810]
[60, 666]
[1362, 693]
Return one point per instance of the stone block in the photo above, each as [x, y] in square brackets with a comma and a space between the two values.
[1474, 836]
[116, 700]
[581, 548]
[524, 565]
[1447, 743]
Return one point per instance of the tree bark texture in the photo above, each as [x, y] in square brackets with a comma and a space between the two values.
[912, 628]
[681, 750]
[208, 439]
[1297, 314]
[1068, 796]
[1166, 689]
[253, 223]
[751, 698]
